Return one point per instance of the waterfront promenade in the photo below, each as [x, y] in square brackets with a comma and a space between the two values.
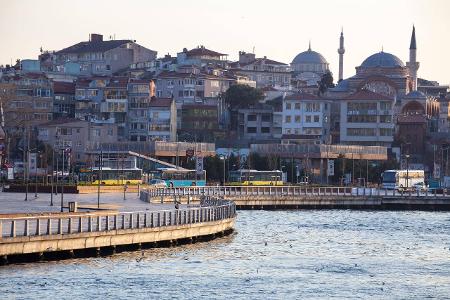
[36, 228]
[294, 197]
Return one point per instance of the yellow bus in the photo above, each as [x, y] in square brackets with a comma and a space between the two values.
[254, 177]
[111, 176]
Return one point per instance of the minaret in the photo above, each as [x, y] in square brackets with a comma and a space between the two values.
[341, 52]
[413, 64]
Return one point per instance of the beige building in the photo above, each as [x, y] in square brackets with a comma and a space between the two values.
[76, 135]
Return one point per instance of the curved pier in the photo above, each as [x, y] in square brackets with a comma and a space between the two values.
[45, 235]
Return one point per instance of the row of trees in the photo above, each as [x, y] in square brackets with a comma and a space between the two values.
[369, 170]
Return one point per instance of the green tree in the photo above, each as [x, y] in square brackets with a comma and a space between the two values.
[326, 82]
[240, 96]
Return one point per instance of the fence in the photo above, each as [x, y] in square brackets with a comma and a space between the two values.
[284, 191]
[211, 209]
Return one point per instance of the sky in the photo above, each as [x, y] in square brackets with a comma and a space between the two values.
[277, 29]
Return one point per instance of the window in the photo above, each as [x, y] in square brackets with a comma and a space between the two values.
[312, 107]
[308, 119]
[251, 129]
[362, 119]
[287, 119]
[251, 118]
[297, 105]
[265, 129]
[361, 132]
[385, 119]
[266, 117]
[316, 119]
[385, 131]
[297, 119]
[288, 105]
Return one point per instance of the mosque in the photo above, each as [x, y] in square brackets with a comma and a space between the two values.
[414, 106]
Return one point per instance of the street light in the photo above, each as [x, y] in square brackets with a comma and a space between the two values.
[222, 157]
[407, 170]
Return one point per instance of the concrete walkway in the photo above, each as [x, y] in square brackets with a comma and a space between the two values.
[14, 203]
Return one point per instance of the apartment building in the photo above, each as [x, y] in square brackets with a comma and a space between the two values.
[140, 93]
[306, 117]
[63, 99]
[255, 123]
[162, 120]
[266, 72]
[101, 57]
[28, 100]
[367, 119]
[76, 135]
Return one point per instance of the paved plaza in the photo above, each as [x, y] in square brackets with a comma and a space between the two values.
[14, 202]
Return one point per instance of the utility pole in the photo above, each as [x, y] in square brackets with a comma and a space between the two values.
[100, 162]
[52, 178]
[63, 150]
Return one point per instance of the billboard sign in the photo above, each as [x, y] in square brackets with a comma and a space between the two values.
[199, 165]
[330, 169]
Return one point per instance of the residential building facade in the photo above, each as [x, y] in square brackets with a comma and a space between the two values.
[306, 116]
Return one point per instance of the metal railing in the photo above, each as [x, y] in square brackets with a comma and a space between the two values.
[284, 191]
[211, 209]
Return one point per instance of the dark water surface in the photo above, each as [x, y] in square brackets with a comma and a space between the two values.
[309, 254]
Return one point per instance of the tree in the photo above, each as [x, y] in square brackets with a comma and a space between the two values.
[240, 96]
[326, 82]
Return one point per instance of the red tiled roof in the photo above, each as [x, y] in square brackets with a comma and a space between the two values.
[63, 87]
[367, 95]
[161, 102]
[302, 96]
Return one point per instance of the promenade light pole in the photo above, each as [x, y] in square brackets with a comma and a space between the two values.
[62, 178]
[99, 176]
[36, 174]
[53, 175]
[222, 157]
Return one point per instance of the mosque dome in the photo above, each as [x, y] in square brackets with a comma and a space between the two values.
[309, 57]
[382, 59]
[309, 61]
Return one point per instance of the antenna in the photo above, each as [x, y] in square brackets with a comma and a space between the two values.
[253, 49]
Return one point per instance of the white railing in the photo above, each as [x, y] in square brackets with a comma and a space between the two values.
[211, 209]
[283, 191]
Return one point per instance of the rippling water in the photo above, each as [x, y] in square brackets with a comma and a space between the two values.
[272, 255]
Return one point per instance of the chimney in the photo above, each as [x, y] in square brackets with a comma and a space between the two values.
[95, 37]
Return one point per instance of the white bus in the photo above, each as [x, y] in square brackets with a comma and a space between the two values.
[403, 179]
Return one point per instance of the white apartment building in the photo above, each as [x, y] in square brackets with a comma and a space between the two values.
[306, 116]
[367, 119]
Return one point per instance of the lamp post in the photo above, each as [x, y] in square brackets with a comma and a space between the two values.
[36, 175]
[407, 170]
[222, 157]
[62, 184]
[100, 162]
[52, 178]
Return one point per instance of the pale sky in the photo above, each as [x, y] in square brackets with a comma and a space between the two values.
[276, 29]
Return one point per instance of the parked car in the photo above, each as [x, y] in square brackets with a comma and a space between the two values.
[420, 187]
[157, 183]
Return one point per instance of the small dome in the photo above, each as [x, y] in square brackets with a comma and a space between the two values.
[309, 57]
[415, 95]
[382, 59]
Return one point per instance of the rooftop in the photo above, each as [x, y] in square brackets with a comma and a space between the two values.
[93, 46]
[302, 96]
[367, 95]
